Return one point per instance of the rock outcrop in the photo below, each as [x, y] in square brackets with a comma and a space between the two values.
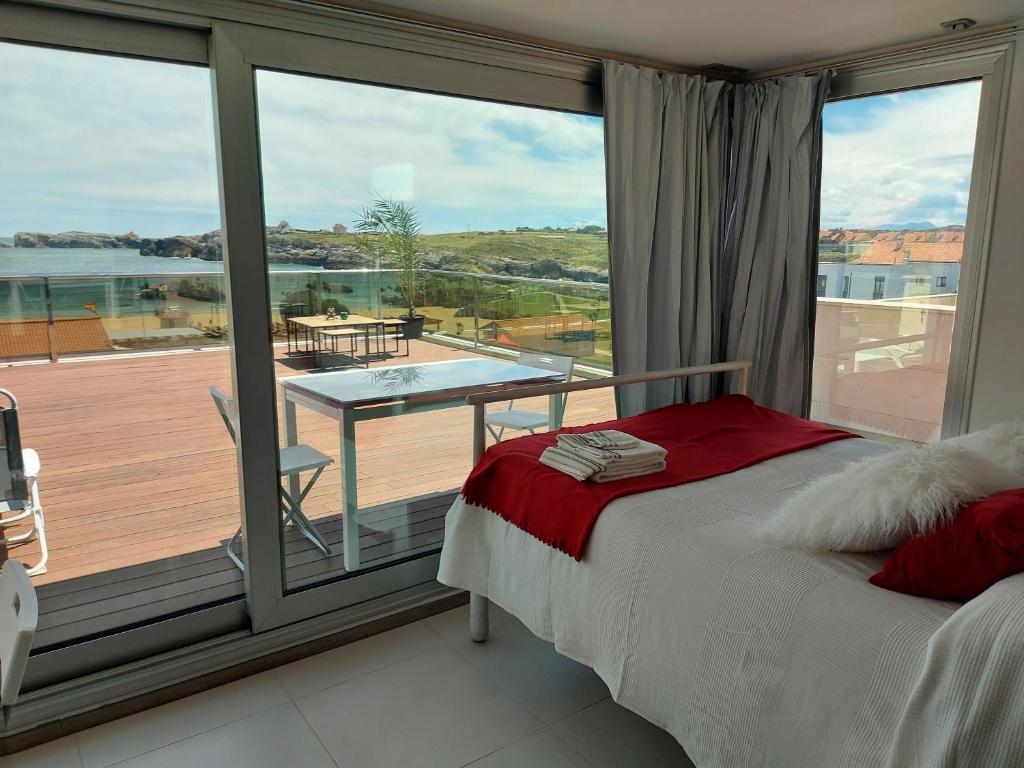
[206, 247]
[75, 240]
[548, 269]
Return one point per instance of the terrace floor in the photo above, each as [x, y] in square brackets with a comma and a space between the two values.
[140, 493]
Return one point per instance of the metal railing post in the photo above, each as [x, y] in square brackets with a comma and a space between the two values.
[51, 328]
[476, 312]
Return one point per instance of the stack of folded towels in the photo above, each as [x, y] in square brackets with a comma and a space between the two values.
[604, 455]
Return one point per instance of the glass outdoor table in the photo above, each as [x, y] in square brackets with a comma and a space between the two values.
[349, 397]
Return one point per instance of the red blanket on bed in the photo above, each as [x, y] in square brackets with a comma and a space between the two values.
[703, 440]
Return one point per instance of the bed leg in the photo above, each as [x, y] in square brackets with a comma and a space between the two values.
[479, 620]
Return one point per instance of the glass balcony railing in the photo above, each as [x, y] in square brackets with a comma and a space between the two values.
[70, 315]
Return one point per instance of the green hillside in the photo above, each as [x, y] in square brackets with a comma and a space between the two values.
[554, 254]
[570, 248]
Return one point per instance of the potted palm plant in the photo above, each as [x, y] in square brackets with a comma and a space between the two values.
[394, 226]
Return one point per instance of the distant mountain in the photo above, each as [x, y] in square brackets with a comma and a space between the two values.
[906, 226]
[914, 226]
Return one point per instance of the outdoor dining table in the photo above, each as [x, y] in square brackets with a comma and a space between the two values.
[313, 326]
[349, 397]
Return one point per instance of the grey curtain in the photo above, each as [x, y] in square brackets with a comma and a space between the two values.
[712, 219]
[666, 157]
[770, 258]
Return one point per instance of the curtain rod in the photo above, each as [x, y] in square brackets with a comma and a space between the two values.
[443, 24]
[836, 63]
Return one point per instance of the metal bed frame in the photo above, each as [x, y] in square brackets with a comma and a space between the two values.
[479, 615]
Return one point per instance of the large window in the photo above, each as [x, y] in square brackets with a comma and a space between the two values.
[895, 188]
[109, 249]
[503, 210]
[136, 299]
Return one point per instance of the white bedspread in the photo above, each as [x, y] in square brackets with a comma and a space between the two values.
[755, 656]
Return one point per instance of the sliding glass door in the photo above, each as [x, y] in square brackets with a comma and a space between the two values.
[403, 237]
[113, 327]
[373, 197]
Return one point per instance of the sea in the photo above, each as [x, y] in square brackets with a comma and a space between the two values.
[79, 283]
[48, 262]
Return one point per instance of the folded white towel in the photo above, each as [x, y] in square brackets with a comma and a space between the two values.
[641, 454]
[584, 469]
[566, 462]
[599, 438]
[619, 474]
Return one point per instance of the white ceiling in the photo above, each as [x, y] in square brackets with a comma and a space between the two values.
[755, 34]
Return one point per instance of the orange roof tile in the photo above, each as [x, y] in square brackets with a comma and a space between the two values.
[901, 251]
[31, 338]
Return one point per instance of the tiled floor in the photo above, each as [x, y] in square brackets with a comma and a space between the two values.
[421, 695]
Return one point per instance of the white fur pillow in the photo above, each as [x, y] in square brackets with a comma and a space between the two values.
[880, 502]
[1002, 444]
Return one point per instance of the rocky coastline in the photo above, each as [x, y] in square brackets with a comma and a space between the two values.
[207, 247]
[294, 248]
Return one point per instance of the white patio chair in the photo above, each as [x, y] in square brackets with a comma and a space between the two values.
[498, 421]
[31, 512]
[19, 614]
[19, 487]
[292, 461]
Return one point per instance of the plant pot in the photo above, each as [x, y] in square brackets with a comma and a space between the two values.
[413, 326]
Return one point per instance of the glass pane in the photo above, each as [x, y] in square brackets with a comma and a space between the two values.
[109, 268]
[895, 186]
[510, 255]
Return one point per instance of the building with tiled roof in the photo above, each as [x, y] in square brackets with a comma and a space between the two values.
[902, 251]
[889, 264]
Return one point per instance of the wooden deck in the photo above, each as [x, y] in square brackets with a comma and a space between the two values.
[139, 483]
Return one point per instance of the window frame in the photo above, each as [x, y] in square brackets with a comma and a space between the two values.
[230, 38]
[237, 52]
[58, 28]
[878, 292]
[990, 61]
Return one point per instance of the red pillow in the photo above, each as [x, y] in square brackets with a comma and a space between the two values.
[962, 558]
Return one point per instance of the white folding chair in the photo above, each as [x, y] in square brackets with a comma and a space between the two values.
[498, 421]
[19, 487]
[292, 461]
[19, 614]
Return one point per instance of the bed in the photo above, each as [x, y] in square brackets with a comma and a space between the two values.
[749, 654]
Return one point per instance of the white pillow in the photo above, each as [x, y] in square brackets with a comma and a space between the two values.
[880, 502]
[1002, 444]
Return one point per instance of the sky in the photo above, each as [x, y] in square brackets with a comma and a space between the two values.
[107, 144]
[112, 145]
[899, 158]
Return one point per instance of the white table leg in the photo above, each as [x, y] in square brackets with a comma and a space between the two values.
[348, 490]
[291, 431]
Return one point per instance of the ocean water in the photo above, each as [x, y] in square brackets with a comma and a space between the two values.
[121, 283]
[46, 262]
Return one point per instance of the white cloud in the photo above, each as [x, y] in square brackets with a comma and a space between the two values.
[106, 143]
[900, 158]
[325, 144]
[93, 138]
